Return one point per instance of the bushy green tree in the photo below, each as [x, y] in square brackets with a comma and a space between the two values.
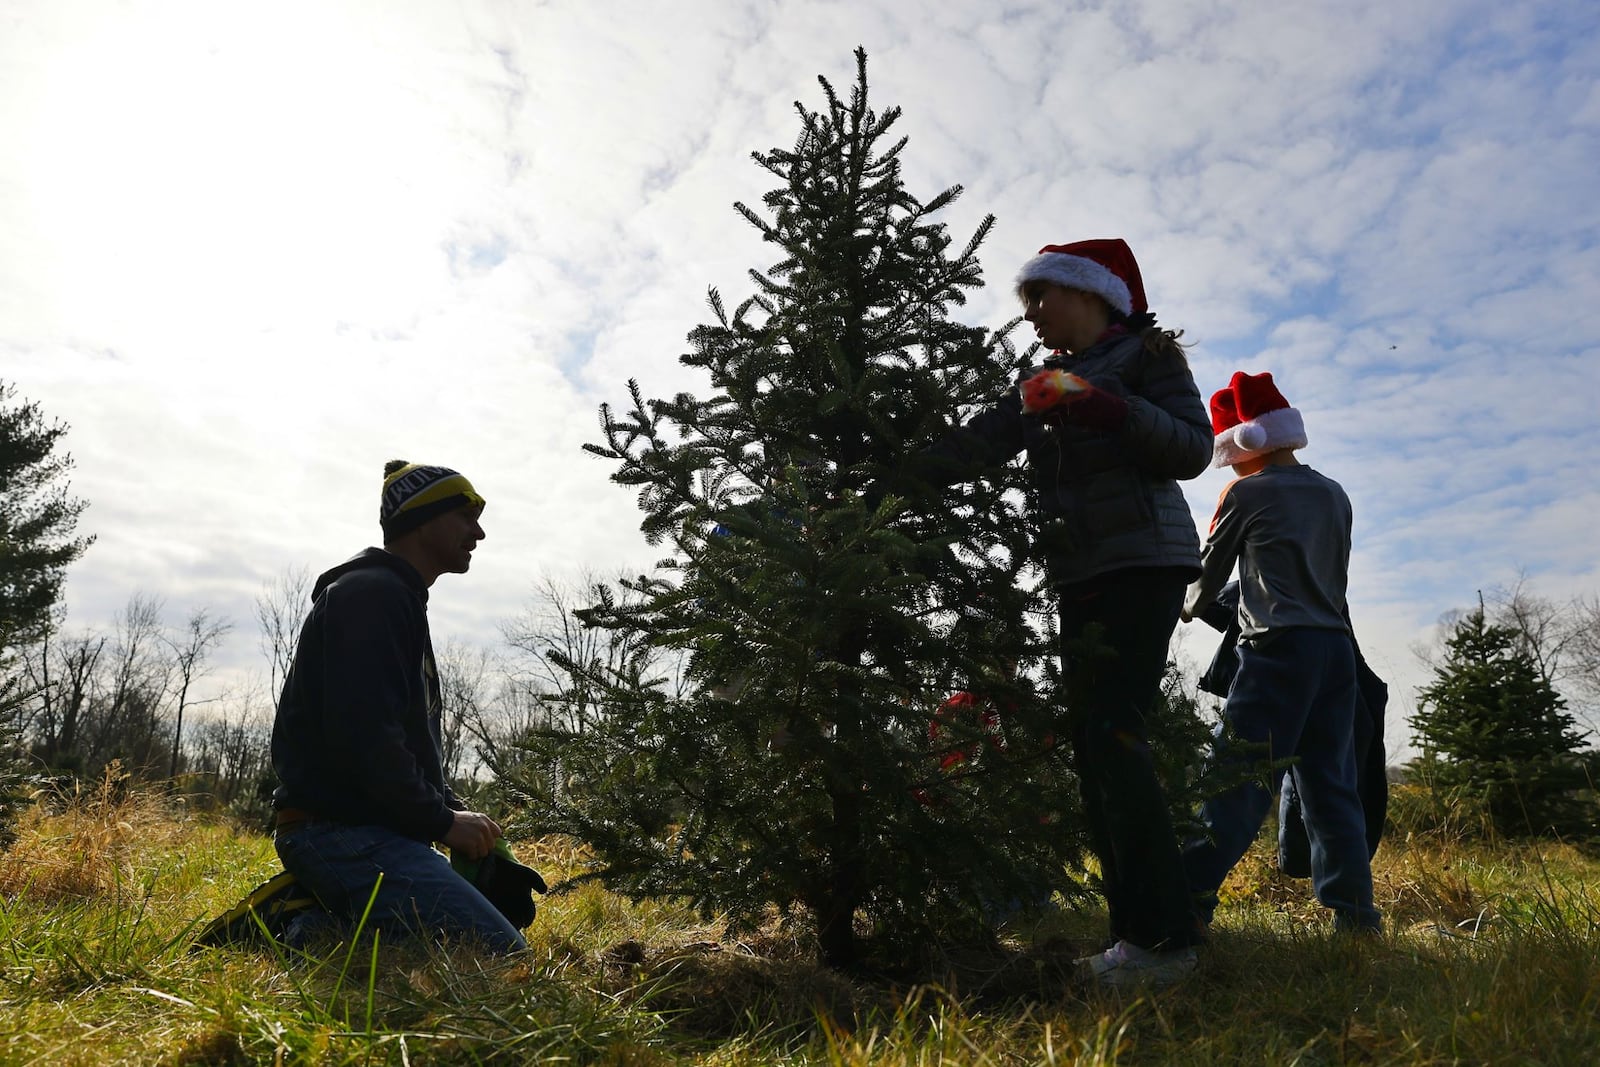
[14, 698]
[784, 764]
[37, 518]
[1493, 730]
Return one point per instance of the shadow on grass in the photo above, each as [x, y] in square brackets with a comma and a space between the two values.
[711, 991]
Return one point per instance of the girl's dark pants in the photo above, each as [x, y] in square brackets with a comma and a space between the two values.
[1115, 631]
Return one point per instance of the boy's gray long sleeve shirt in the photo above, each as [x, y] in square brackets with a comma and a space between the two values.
[1288, 528]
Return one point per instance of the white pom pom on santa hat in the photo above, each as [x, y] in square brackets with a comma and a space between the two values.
[1251, 417]
[1251, 435]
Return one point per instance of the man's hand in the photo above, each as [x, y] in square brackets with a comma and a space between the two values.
[473, 834]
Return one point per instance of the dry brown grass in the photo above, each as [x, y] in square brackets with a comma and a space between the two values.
[84, 843]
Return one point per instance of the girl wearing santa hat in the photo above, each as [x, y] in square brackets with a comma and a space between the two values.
[1110, 425]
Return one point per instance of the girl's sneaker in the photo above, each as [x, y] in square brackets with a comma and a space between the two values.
[1125, 965]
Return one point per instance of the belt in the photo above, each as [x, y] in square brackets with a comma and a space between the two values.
[291, 819]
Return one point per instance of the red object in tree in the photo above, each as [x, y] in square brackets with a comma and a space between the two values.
[963, 705]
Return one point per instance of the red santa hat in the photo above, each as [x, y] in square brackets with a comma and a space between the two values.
[1251, 417]
[1103, 266]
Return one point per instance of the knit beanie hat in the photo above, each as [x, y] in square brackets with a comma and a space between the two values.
[413, 494]
[1251, 417]
[1103, 266]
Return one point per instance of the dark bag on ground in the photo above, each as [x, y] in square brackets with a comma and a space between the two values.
[504, 882]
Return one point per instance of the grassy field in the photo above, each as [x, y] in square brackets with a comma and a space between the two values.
[1492, 956]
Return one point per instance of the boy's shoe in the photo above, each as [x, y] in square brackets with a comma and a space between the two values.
[1126, 965]
[1351, 925]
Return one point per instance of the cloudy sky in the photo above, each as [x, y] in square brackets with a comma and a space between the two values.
[250, 252]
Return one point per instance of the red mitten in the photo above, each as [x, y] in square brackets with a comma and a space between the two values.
[1067, 396]
[1097, 409]
[1049, 388]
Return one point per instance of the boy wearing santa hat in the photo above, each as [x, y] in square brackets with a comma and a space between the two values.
[1288, 529]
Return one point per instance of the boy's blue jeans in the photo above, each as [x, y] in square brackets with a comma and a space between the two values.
[1295, 694]
[421, 894]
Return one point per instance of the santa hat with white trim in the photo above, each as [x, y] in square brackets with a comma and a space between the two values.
[1251, 417]
[1103, 266]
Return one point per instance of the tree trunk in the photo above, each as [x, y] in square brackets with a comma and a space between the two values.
[836, 935]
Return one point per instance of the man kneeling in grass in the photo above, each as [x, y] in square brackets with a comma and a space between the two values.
[355, 744]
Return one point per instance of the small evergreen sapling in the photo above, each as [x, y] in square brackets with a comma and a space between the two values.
[1493, 729]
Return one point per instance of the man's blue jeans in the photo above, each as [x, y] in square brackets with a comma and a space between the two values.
[420, 895]
[1295, 694]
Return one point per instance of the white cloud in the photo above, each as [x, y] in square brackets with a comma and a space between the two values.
[250, 255]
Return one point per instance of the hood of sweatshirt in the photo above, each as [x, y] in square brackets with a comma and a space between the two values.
[369, 559]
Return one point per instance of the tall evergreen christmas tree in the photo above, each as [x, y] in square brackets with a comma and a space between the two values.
[819, 622]
[1491, 727]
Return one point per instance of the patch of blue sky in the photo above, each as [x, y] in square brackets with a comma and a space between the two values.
[1321, 299]
[574, 355]
[1320, 302]
[477, 256]
[1523, 37]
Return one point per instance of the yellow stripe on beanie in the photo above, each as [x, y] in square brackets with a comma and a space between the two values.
[413, 493]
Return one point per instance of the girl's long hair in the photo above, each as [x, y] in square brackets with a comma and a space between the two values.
[1157, 341]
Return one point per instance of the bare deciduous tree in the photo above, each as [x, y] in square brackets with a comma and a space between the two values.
[126, 723]
[538, 693]
[231, 745]
[550, 624]
[63, 671]
[466, 684]
[1543, 627]
[280, 608]
[191, 653]
[1585, 646]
